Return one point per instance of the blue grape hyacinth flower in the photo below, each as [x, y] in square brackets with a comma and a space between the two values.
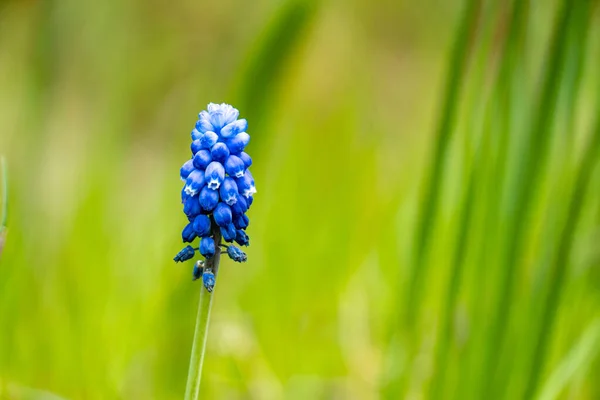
[218, 189]
[236, 254]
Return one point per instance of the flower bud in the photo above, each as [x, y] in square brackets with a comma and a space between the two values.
[246, 184]
[234, 166]
[208, 140]
[232, 129]
[198, 270]
[191, 207]
[196, 134]
[241, 221]
[240, 206]
[242, 238]
[237, 143]
[236, 254]
[246, 159]
[202, 225]
[219, 152]
[214, 175]
[186, 170]
[184, 195]
[201, 159]
[230, 113]
[208, 279]
[196, 145]
[228, 232]
[222, 214]
[217, 119]
[188, 235]
[208, 199]
[194, 182]
[207, 247]
[228, 191]
[203, 124]
[185, 254]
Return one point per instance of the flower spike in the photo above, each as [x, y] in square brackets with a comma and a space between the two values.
[218, 190]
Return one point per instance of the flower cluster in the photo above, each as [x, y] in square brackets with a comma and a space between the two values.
[218, 187]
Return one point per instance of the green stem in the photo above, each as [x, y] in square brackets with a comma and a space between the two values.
[192, 391]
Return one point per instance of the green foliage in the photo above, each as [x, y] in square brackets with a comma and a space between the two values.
[427, 213]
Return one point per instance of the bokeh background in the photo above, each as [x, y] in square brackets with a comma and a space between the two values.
[427, 219]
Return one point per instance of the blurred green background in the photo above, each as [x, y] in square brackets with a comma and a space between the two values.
[427, 218]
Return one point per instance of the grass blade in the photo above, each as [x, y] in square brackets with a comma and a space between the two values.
[430, 195]
[534, 153]
[268, 59]
[561, 261]
[578, 358]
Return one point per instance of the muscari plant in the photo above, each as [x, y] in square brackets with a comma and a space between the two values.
[216, 195]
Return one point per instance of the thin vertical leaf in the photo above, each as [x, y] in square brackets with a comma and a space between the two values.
[269, 58]
[431, 188]
[534, 153]
[561, 261]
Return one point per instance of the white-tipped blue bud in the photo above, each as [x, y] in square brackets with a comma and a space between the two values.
[194, 182]
[246, 184]
[196, 134]
[234, 166]
[214, 175]
[186, 170]
[208, 140]
[219, 152]
[246, 159]
[237, 143]
[228, 191]
[184, 195]
[203, 124]
[196, 146]
[232, 129]
[202, 158]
